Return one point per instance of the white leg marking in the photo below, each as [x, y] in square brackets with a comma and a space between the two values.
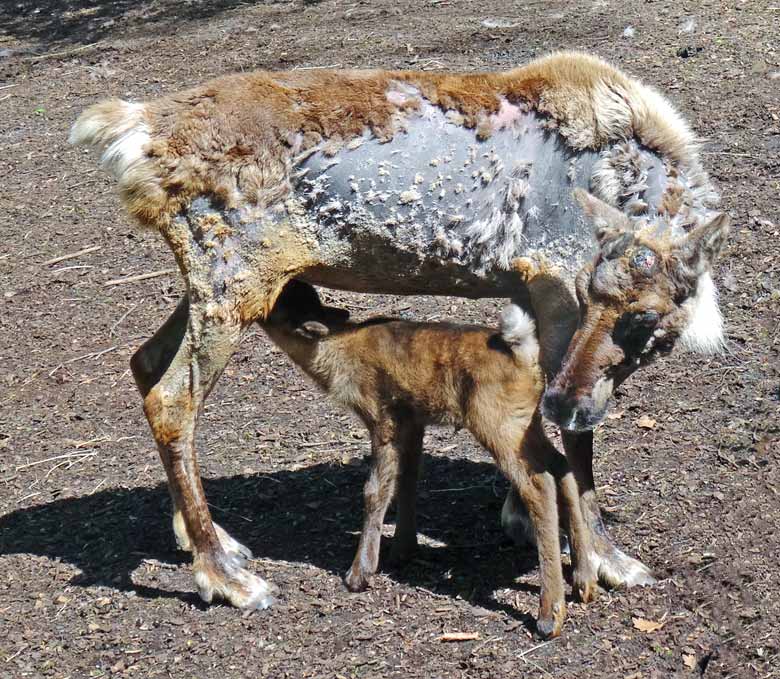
[620, 570]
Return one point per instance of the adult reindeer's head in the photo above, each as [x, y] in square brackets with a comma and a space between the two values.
[643, 293]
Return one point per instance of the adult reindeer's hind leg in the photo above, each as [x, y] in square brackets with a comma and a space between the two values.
[149, 364]
[178, 368]
[172, 406]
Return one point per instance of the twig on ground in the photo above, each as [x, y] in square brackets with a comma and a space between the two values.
[534, 648]
[458, 636]
[313, 68]
[64, 456]
[64, 53]
[229, 512]
[94, 354]
[72, 255]
[73, 266]
[138, 277]
[453, 490]
[111, 332]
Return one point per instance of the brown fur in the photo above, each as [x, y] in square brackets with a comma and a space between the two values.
[398, 377]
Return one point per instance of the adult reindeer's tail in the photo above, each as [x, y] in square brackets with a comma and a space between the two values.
[116, 128]
[121, 132]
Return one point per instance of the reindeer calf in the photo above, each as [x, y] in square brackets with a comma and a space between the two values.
[398, 377]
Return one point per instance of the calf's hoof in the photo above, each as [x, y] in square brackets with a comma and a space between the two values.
[549, 625]
[224, 578]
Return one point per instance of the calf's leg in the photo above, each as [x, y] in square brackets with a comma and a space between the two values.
[527, 468]
[405, 538]
[387, 441]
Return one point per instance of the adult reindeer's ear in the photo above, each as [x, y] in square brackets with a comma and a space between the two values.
[312, 330]
[701, 246]
[608, 222]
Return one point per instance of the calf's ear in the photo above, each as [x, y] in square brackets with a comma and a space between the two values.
[313, 330]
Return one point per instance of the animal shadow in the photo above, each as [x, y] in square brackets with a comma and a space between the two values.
[311, 515]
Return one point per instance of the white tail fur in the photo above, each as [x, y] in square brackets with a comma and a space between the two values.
[118, 129]
[519, 331]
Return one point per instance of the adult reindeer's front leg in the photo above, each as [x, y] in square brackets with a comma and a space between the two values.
[615, 568]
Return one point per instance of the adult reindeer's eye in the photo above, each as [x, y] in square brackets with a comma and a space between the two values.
[645, 261]
[645, 320]
[634, 330]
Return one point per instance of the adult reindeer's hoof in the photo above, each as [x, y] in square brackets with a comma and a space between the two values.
[356, 580]
[585, 590]
[549, 625]
[231, 583]
[231, 545]
[618, 570]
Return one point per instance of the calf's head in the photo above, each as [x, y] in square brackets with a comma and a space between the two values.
[298, 312]
[645, 292]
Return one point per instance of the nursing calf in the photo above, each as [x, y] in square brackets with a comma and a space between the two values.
[398, 377]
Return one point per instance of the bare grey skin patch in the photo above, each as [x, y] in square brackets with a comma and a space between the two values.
[437, 190]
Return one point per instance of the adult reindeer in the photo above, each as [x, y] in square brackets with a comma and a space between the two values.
[478, 185]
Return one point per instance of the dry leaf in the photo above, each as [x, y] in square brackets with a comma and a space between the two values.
[647, 625]
[646, 422]
[616, 415]
[459, 636]
[689, 661]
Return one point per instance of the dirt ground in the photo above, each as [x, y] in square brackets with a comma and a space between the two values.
[91, 584]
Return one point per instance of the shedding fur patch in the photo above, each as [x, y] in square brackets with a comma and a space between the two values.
[498, 238]
[518, 330]
[620, 179]
[704, 332]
